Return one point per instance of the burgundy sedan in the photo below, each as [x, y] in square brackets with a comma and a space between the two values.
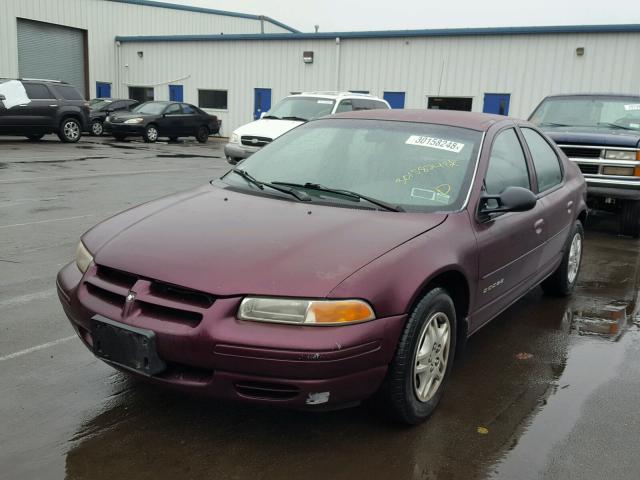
[351, 257]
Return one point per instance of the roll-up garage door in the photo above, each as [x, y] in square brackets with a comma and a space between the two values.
[51, 51]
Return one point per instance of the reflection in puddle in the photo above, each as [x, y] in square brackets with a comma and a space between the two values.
[608, 321]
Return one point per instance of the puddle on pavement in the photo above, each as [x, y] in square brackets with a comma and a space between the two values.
[185, 155]
[609, 321]
[66, 160]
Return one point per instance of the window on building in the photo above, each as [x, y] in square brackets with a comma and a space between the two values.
[507, 164]
[36, 91]
[545, 160]
[69, 93]
[141, 94]
[216, 99]
[450, 103]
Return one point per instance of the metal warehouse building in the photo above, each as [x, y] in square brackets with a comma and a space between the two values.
[235, 65]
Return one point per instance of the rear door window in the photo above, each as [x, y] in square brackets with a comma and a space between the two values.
[344, 106]
[37, 91]
[545, 160]
[186, 109]
[507, 164]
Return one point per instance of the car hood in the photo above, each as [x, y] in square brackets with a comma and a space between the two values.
[268, 128]
[593, 136]
[229, 243]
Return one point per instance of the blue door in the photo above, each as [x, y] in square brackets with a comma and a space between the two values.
[395, 99]
[497, 103]
[176, 93]
[261, 102]
[103, 90]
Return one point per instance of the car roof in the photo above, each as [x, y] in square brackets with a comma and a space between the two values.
[471, 120]
[597, 95]
[335, 95]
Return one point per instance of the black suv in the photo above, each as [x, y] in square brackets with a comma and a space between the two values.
[34, 107]
[601, 133]
[101, 107]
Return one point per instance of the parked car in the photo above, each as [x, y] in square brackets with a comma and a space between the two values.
[601, 133]
[351, 256]
[34, 108]
[151, 120]
[103, 107]
[292, 111]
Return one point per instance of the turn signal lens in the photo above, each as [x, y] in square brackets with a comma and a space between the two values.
[83, 257]
[336, 312]
[636, 171]
[638, 155]
[623, 171]
[305, 312]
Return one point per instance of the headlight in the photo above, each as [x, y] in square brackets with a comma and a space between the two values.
[83, 257]
[620, 155]
[235, 138]
[134, 120]
[305, 312]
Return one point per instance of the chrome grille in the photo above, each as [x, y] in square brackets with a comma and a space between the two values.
[589, 168]
[580, 152]
[253, 141]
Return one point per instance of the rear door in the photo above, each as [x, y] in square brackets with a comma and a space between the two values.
[510, 244]
[192, 119]
[558, 202]
[41, 109]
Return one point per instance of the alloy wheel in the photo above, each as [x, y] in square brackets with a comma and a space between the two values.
[575, 254]
[71, 130]
[432, 354]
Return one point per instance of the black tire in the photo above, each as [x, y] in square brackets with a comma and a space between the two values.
[202, 135]
[119, 138]
[400, 388]
[34, 137]
[96, 129]
[70, 130]
[630, 218]
[150, 134]
[560, 283]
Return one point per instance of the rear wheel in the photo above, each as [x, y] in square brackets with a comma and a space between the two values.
[423, 359]
[630, 218]
[562, 282]
[202, 135]
[35, 137]
[96, 128]
[150, 134]
[70, 130]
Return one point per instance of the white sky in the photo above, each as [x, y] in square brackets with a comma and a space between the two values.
[346, 15]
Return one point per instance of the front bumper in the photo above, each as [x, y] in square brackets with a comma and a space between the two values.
[236, 152]
[129, 130]
[222, 357]
[619, 189]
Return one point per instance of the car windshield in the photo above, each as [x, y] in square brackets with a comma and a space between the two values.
[306, 108]
[99, 104]
[150, 108]
[607, 112]
[417, 166]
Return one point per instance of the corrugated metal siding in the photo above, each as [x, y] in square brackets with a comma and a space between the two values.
[528, 67]
[105, 20]
[50, 51]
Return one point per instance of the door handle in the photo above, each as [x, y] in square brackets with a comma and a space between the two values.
[53, 105]
[569, 206]
[538, 226]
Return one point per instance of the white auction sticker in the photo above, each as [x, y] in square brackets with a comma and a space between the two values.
[632, 106]
[440, 143]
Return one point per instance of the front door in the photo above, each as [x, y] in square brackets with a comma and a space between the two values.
[262, 102]
[176, 93]
[497, 103]
[510, 245]
[171, 123]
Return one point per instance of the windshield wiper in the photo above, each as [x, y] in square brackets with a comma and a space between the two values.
[614, 125]
[303, 197]
[272, 117]
[346, 193]
[298, 119]
[553, 124]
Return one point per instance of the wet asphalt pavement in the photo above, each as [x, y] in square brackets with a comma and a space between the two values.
[550, 389]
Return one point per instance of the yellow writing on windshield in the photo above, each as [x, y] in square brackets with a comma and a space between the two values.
[426, 169]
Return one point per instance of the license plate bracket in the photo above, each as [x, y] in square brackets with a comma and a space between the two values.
[126, 346]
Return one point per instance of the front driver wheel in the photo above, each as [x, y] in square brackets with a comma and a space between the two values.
[70, 130]
[423, 359]
[150, 134]
[97, 128]
[562, 282]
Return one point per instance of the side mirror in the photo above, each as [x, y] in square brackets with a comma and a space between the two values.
[512, 199]
[2, 97]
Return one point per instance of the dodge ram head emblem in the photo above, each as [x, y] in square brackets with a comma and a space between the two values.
[128, 304]
[131, 297]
